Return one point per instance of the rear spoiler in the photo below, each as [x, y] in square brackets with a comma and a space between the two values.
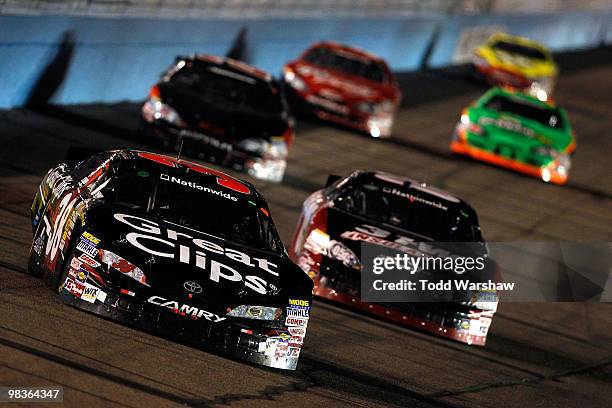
[76, 154]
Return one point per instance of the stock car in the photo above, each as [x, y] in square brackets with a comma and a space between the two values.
[507, 60]
[222, 111]
[344, 85]
[392, 212]
[171, 247]
[517, 131]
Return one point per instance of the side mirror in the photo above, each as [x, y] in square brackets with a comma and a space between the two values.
[331, 179]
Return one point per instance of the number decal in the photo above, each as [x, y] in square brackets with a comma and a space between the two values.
[222, 178]
[373, 231]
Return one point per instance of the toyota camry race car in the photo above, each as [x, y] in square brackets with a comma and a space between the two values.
[171, 247]
[222, 111]
[344, 85]
[518, 62]
[517, 131]
[390, 212]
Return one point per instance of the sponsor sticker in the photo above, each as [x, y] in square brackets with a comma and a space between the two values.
[297, 331]
[298, 312]
[38, 244]
[89, 237]
[81, 276]
[73, 273]
[296, 341]
[296, 321]
[90, 293]
[75, 263]
[89, 260]
[479, 327]
[76, 288]
[270, 348]
[293, 352]
[299, 302]
[281, 350]
[87, 248]
[184, 309]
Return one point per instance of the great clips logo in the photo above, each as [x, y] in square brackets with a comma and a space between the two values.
[204, 255]
[196, 186]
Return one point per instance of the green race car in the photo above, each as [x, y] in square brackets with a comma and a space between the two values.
[517, 131]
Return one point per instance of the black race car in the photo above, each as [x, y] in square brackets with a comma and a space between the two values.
[172, 247]
[399, 214]
[222, 111]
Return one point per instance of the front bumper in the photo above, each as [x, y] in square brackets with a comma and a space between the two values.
[469, 326]
[540, 87]
[377, 126]
[234, 338]
[553, 173]
[466, 324]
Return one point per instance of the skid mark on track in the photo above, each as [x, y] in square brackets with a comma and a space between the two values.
[525, 381]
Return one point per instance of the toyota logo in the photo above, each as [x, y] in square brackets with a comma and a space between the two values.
[192, 287]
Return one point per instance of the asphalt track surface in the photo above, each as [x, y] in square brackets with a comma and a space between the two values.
[538, 355]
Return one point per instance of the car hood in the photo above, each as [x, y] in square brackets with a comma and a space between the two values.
[530, 67]
[531, 132]
[216, 119]
[339, 86]
[351, 231]
[348, 232]
[170, 255]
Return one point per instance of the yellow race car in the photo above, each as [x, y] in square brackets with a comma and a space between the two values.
[519, 62]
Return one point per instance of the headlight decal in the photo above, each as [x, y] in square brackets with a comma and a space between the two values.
[116, 262]
[256, 312]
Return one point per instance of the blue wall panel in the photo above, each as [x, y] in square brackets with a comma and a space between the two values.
[119, 59]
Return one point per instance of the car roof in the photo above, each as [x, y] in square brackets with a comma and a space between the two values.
[528, 42]
[347, 49]
[232, 65]
[517, 93]
[176, 165]
[412, 186]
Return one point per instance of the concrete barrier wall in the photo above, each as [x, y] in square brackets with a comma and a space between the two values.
[119, 59]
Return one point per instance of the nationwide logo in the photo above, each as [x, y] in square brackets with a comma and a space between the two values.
[194, 185]
[413, 198]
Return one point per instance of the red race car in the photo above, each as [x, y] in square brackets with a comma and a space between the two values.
[344, 85]
[383, 211]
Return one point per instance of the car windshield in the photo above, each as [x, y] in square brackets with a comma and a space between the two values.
[519, 49]
[327, 58]
[420, 215]
[226, 87]
[187, 200]
[550, 117]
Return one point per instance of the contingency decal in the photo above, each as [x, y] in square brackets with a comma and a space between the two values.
[92, 293]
